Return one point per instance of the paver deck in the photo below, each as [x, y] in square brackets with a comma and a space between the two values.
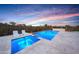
[62, 43]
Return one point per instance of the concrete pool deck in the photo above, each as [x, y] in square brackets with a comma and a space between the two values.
[5, 43]
[62, 43]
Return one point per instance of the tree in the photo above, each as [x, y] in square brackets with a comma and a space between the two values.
[13, 23]
[46, 25]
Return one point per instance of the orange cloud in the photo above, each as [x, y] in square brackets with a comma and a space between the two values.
[56, 17]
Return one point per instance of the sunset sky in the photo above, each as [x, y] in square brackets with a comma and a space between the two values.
[37, 14]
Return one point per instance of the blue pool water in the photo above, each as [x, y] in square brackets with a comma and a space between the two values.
[48, 34]
[20, 43]
[23, 42]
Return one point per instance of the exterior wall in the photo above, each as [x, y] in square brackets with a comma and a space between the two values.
[62, 30]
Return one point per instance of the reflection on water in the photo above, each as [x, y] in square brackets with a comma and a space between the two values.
[48, 34]
[20, 43]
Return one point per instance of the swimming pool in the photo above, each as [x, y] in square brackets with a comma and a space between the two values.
[47, 34]
[21, 43]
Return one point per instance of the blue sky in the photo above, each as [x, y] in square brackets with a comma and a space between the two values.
[38, 14]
